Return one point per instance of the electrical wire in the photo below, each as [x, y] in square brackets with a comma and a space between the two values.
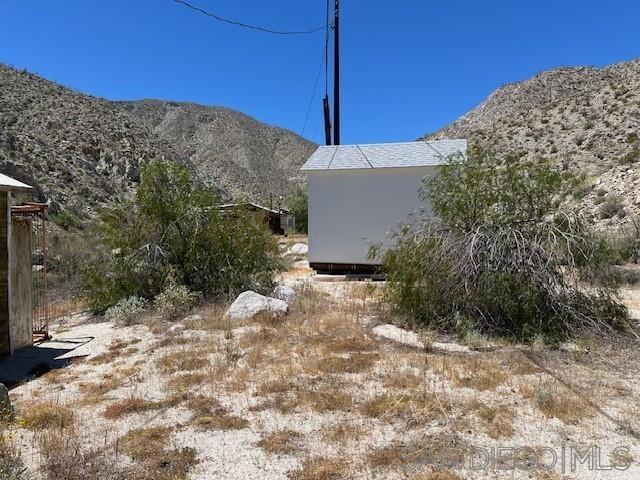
[252, 27]
[313, 94]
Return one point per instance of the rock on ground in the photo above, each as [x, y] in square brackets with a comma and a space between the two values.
[284, 292]
[177, 328]
[249, 304]
[399, 335]
[298, 249]
[6, 409]
[411, 339]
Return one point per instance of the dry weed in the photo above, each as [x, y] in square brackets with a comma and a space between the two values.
[131, 405]
[555, 400]
[40, 416]
[497, 421]
[182, 361]
[281, 442]
[321, 469]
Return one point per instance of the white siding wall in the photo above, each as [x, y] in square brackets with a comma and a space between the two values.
[348, 209]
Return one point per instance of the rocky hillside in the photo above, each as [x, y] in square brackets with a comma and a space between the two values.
[76, 149]
[81, 152]
[240, 154]
[583, 119]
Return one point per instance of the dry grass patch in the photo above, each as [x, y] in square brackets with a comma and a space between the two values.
[438, 475]
[210, 414]
[321, 468]
[497, 421]
[116, 350]
[41, 416]
[280, 442]
[356, 363]
[474, 372]
[182, 361]
[64, 455]
[145, 443]
[415, 408]
[353, 343]
[438, 450]
[404, 380]
[95, 392]
[342, 433]
[186, 381]
[554, 400]
[520, 365]
[147, 446]
[131, 405]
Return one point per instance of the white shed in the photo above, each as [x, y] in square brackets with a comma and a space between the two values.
[359, 193]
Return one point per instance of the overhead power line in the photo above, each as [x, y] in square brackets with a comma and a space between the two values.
[246, 25]
[313, 94]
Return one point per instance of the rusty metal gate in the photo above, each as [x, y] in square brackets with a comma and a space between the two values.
[35, 213]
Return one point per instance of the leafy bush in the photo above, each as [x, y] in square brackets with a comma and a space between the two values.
[126, 311]
[501, 254]
[176, 300]
[298, 203]
[172, 233]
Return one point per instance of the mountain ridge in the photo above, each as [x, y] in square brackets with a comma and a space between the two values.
[81, 152]
[584, 119]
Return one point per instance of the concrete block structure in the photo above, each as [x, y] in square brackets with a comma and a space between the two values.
[15, 272]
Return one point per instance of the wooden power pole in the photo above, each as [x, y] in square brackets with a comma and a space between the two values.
[336, 74]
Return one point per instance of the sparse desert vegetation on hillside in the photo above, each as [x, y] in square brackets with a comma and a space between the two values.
[583, 119]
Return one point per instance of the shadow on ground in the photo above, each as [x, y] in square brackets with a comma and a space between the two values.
[31, 362]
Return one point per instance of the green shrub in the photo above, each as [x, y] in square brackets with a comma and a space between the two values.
[501, 255]
[171, 232]
[175, 300]
[67, 220]
[611, 207]
[127, 311]
[298, 203]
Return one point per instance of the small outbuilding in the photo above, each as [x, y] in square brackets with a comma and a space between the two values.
[15, 272]
[359, 193]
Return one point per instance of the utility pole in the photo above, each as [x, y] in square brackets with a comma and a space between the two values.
[336, 74]
[327, 120]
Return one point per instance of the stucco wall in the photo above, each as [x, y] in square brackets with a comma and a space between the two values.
[5, 338]
[349, 209]
[20, 269]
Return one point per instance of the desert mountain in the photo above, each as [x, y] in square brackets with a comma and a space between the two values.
[584, 119]
[81, 151]
[241, 155]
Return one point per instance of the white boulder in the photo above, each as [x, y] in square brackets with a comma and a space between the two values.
[249, 304]
[298, 249]
[411, 339]
[284, 292]
[399, 335]
[176, 329]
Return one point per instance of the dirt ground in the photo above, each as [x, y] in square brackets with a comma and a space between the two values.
[316, 395]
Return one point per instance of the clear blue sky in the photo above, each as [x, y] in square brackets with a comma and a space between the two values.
[408, 66]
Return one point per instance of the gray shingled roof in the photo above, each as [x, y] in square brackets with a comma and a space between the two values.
[381, 155]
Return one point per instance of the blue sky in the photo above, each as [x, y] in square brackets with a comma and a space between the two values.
[408, 67]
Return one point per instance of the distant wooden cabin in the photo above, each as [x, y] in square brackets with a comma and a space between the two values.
[272, 218]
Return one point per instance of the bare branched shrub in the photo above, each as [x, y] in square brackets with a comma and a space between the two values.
[501, 256]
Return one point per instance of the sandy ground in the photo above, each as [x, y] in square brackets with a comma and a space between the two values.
[354, 408]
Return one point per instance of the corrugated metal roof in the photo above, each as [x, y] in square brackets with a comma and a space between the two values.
[8, 184]
[381, 155]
